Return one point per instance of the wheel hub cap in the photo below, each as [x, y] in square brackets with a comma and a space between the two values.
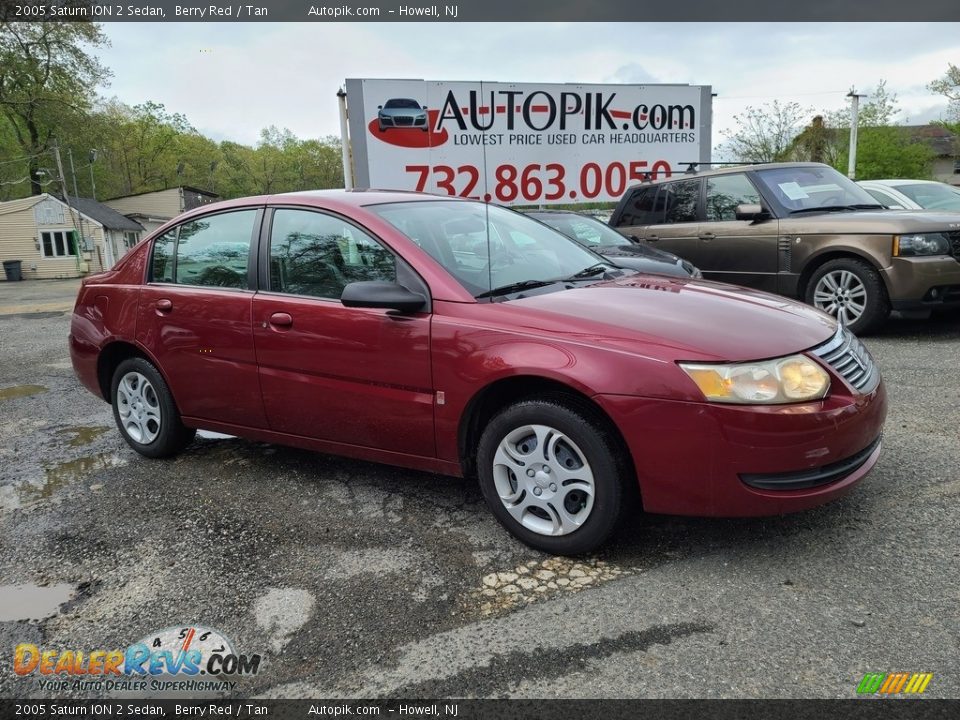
[842, 294]
[543, 480]
[138, 407]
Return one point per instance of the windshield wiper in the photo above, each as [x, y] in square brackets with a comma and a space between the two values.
[837, 208]
[515, 287]
[588, 272]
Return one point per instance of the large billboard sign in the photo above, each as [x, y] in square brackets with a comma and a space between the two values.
[523, 144]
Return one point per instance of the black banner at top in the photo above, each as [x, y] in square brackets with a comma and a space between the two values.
[478, 11]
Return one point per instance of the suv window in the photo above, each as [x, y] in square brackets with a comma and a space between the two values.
[725, 192]
[212, 251]
[680, 201]
[640, 209]
[319, 255]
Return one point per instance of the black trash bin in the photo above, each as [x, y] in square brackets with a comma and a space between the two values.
[12, 269]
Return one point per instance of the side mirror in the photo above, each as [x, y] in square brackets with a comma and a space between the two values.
[379, 107]
[383, 295]
[634, 239]
[752, 212]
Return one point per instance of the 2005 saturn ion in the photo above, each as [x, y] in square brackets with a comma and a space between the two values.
[457, 337]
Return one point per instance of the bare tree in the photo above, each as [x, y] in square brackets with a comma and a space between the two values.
[764, 134]
[949, 87]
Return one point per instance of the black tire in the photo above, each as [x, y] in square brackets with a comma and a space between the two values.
[877, 305]
[592, 436]
[171, 436]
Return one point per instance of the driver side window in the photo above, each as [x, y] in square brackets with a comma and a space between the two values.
[319, 255]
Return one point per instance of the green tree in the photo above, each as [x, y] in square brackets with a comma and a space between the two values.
[47, 75]
[887, 152]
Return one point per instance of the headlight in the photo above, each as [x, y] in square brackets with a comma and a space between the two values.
[920, 244]
[785, 380]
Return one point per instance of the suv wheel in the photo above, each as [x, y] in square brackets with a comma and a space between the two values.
[852, 292]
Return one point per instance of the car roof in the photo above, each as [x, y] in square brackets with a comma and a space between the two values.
[342, 201]
[897, 181]
[728, 170]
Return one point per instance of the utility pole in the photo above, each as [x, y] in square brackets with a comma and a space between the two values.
[854, 121]
[63, 181]
[93, 185]
[73, 172]
[345, 141]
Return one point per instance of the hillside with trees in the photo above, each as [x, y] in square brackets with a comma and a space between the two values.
[48, 72]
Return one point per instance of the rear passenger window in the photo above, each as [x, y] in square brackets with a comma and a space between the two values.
[213, 251]
[318, 255]
[640, 209]
[725, 192]
[680, 201]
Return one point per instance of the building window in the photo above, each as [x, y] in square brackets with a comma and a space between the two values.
[130, 239]
[59, 243]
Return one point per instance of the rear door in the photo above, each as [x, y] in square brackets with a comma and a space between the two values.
[194, 316]
[742, 252]
[357, 376]
[676, 220]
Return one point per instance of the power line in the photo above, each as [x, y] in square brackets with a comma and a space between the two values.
[23, 159]
[27, 179]
[777, 97]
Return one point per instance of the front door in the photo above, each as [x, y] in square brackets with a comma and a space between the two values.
[356, 376]
[742, 252]
[194, 317]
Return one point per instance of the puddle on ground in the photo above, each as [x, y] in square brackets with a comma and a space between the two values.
[83, 435]
[21, 391]
[32, 602]
[61, 474]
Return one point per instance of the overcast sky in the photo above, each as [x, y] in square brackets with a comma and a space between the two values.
[232, 80]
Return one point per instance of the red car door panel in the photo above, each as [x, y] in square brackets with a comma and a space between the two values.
[204, 343]
[349, 375]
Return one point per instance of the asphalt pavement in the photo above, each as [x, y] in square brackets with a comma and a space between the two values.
[353, 579]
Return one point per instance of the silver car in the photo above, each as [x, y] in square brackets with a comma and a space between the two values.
[401, 113]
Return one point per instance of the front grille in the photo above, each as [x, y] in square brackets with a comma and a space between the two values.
[850, 359]
[815, 477]
[403, 119]
[955, 243]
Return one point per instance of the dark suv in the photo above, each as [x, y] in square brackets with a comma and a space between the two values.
[801, 230]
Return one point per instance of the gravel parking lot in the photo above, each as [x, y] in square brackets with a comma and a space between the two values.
[360, 580]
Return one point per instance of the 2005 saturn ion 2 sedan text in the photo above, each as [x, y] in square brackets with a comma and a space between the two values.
[375, 325]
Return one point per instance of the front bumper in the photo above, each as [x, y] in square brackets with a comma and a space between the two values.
[698, 458]
[923, 283]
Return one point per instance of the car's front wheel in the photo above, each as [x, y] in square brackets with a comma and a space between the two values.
[551, 472]
[145, 412]
[852, 291]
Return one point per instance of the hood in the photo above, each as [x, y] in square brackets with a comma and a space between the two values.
[875, 222]
[676, 319]
[644, 264]
[635, 250]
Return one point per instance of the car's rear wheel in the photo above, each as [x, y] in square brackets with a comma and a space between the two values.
[145, 412]
[852, 292]
[552, 473]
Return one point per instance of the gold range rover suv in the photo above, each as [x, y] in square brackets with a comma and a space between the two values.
[801, 230]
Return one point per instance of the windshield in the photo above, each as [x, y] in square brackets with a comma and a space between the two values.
[931, 195]
[585, 230]
[802, 189]
[405, 103]
[486, 247]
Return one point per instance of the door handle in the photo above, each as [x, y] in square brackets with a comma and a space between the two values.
[164, 305]
[707, 236]
[651, 238]
[281, 319]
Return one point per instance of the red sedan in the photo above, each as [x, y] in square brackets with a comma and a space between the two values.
[462, 338]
